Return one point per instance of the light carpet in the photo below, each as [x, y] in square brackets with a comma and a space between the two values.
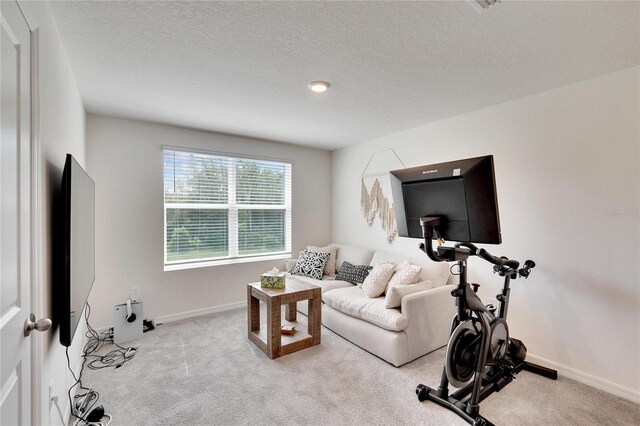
[205, 371]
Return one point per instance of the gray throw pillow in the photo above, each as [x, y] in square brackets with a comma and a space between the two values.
[355, 274]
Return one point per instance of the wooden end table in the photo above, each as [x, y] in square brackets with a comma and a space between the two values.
[271, 341]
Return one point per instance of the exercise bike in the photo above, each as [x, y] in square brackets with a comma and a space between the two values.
[480, 357]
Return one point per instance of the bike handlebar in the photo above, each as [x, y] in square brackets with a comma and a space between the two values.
[480, 252]
[499, 261]
[526, 268]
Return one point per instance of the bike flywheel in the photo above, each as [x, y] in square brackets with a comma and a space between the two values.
[462, 352]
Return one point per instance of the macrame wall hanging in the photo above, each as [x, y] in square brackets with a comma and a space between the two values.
[375, 191]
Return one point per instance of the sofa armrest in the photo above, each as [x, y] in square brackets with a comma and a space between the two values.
[430, 313]
[289, 264]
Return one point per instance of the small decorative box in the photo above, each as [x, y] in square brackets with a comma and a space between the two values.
[272, 281]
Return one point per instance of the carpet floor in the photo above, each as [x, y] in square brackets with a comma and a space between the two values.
[205, 371]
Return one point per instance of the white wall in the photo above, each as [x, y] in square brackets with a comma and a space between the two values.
[62, 131]
[125, 160]
[565, 160]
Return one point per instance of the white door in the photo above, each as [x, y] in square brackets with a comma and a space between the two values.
[15, 217]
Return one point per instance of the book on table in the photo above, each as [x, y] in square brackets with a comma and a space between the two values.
[288, 329]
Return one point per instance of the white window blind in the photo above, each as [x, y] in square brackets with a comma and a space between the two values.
[223, 209]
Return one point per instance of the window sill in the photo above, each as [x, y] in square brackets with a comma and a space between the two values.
[206, 264]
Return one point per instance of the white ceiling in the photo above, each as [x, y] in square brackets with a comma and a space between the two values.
[243, 67]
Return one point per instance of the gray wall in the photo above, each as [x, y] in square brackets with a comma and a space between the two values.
[567, 168]
[62, 131]
[125, 160]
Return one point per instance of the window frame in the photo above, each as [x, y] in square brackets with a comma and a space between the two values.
[232, 207]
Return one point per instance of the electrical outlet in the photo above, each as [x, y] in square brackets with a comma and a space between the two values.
[134, 293]
[52, 398]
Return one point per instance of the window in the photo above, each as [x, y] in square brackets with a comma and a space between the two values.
[220, 209]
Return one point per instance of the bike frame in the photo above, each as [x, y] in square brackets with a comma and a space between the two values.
[485, 380]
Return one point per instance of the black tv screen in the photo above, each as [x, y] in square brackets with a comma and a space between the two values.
[462, 193]
[78, 245]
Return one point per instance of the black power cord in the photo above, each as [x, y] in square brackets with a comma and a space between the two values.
[97, 340]
[115, 358]
[78, 382]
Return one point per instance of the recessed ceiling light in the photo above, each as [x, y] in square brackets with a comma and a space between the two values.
[482, 5]
[319, 86]
[485, 4]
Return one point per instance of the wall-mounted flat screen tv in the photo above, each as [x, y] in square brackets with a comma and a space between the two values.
[78, 246]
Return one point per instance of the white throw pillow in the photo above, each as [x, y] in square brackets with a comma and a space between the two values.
[330, 267]
[377, 280]
[394, 296]
[405, 274]
[289, 264]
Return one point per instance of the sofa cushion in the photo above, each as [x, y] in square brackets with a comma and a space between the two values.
[436, 272]
[386, 257]
[393, 298]
[310, 264]
[325, 284]
[377, 280]
[355, 274]
[354, 255]
[352, 301]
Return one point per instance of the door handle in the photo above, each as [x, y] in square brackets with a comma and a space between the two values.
[30, 324]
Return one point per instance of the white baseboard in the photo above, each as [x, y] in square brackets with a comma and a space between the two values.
[588, 379]
[163, 319]
[179, 316]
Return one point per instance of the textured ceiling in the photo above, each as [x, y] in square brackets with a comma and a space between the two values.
[243, 67]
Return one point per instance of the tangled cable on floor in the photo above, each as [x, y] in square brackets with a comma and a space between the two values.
[86, 399]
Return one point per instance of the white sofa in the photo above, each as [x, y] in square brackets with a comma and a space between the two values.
[397, 335]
